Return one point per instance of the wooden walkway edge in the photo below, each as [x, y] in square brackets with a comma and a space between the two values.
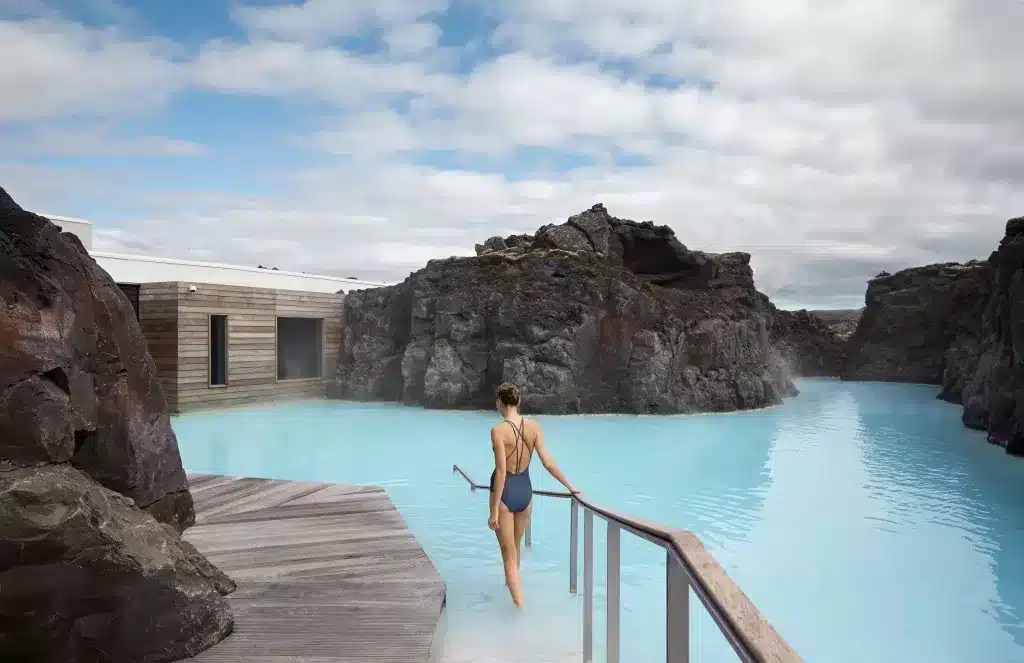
[326, 573]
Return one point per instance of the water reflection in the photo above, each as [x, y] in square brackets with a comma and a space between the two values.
[955, 507]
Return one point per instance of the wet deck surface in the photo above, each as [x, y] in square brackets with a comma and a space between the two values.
[326, 573]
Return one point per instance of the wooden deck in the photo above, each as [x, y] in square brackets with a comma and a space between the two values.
[326, 573]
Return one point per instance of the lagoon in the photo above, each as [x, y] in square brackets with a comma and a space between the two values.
[862, 519]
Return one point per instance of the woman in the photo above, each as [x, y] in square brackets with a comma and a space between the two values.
[514, 441]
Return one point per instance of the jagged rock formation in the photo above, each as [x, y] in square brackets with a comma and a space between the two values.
[984, 365]
[594, 315]
[92, 491]
[910, 318]
[842, 322]
[808, 345]
[957, 325]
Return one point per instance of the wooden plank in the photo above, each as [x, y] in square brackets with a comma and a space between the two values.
[326, 573]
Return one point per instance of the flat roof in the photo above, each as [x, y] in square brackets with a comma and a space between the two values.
[237, 268]
[54, 217]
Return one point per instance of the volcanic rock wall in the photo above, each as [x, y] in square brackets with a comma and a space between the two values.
[960, 326]
[92, 491]
[598, 314]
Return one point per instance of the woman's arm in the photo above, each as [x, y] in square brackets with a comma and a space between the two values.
[549, 463]
[499, 477]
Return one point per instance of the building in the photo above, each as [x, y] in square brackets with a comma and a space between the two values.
[225, 335]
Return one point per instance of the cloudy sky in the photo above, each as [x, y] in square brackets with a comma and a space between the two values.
[831, 139]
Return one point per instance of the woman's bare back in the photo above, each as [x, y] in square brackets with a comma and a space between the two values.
[518, 452]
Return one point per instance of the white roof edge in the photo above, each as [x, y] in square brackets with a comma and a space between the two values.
[239, 268]
[54, 217]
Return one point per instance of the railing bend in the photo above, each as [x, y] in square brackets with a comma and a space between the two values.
[688, 566]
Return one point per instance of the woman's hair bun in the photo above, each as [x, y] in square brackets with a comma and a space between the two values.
[508, 393]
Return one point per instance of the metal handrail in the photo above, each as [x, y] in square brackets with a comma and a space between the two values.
[688, 565]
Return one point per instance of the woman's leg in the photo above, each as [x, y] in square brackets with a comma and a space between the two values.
[522, 519]
[509, 558]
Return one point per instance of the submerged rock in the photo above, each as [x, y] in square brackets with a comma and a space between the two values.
[86, 576]
[598, 314]
[85, 441]
[960, 326]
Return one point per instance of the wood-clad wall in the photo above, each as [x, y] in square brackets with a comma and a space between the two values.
[252, 343]
[158, 317]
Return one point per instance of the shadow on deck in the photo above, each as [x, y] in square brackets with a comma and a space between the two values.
[326, 573]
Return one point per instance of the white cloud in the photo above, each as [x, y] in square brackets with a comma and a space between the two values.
[92, 141]
[412, 38]
[831, 140]
[332, 75]
[52, 68]
[315, 20]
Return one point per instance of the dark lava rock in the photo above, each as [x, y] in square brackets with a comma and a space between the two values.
[809, 346]
[910, 318]
[77, 382]
[959, 326]
[595, 315]
[842, 322]
[85, 576]
[984, 365]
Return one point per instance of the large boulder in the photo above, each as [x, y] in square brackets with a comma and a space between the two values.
[93, 495]
[909, 320]
[86, 576]
[598, 314]
[77, 382]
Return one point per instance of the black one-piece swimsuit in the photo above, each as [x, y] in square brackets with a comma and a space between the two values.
[518, 490]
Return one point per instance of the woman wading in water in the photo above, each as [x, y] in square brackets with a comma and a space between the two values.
[514, 440]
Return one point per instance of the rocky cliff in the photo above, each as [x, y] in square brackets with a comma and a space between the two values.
[92, 491]
[960, 326]
[910, 318]
[841, 322]
[598, 314]
[984, 365]
[809, 346]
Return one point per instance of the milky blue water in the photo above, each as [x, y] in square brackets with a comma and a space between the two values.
[863, 520]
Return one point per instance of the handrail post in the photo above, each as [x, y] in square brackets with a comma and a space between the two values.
[588, 585]
[574, 544]
[688, 565]
[614, 566]
[677, 612]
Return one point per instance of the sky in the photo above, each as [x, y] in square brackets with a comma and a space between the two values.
[830, 139]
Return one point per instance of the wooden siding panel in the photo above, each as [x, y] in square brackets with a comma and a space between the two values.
[158, 317]
[252, 344]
